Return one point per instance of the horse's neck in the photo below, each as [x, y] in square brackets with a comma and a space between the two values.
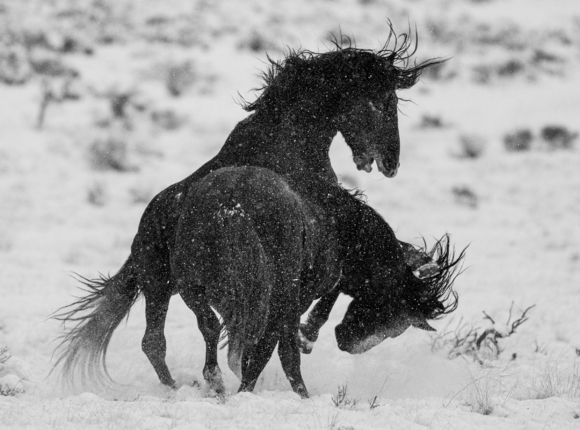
[373, 246]
[286, 147]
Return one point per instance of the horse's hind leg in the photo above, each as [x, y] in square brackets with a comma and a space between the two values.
[210, 329]
[154, 345]
[289, 353]
[255, 358]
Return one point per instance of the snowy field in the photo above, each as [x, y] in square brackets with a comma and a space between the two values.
[488, 154]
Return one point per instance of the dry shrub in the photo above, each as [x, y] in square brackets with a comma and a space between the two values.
[431, 121]
[97, 195]
[558, 137]
[471, 146]
[111, 154]
[519, 140]
[167, 119]
[179, 78]
[14, 65]
[480, 344]
[464, 195]
[4, 355]
[256, 42]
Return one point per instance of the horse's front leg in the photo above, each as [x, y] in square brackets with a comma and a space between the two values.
[154, 344]
[289, 353]
[308, 331]
[209, 326]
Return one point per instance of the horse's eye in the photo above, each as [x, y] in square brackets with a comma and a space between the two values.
[376, 108]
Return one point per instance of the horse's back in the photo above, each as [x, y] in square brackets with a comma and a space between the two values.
[250, 209]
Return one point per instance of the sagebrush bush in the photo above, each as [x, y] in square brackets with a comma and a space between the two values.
[4, 355]
[464, 195]
[111, 153]
[471, 146]
[14, 65]
[519, 140]
[431, 121]
[558, 137]
[179, 78]
[96, 194]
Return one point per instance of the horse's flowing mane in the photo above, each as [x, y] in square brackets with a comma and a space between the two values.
[343, 72]
[434, 297]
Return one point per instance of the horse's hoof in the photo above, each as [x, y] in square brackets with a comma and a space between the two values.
[170, 384]
[301, 391]
[305, 345]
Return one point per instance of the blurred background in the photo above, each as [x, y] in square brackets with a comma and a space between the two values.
[104, 103]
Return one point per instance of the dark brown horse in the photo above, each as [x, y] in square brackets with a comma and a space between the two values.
[306, 99]
[259, 249]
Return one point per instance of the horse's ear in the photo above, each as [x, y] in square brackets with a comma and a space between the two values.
[427, 270]
[422, 324]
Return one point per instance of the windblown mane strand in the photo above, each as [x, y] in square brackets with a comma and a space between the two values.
[434, 297]
[294, 78]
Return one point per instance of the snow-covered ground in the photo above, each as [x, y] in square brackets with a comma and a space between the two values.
[513, 66]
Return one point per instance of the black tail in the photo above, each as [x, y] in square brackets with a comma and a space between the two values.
[96, 315]
[246, 279]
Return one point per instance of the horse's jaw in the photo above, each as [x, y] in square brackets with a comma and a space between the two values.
[387, 171]
[365, 163]
[374, 339]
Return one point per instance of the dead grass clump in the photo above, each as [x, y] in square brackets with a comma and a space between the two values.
[556, 381]
[342, 400]
[519, 140]
[487, 389]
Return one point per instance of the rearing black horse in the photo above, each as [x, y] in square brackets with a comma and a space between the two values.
[259, 249]
[306, 99]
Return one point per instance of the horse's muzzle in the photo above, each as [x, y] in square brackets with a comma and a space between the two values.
[389, 172]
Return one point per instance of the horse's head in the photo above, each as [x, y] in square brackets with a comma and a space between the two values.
[369, 117]
[371, 128]
[349, 89]
[422, 294]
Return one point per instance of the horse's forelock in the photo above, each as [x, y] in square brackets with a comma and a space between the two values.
[434, 297]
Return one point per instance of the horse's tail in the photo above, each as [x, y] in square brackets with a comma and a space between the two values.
[96, 316]
[246, 279]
